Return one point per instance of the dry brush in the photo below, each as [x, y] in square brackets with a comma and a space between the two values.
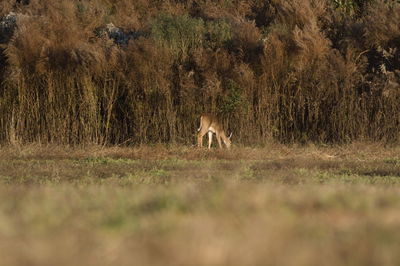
[293, 71]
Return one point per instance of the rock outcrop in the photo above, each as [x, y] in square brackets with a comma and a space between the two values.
[117, 34]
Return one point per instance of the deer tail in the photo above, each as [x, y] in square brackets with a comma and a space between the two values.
[201, 118]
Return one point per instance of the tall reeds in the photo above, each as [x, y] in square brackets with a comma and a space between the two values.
[293, 71]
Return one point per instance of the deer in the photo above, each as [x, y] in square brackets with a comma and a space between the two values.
[210, 124]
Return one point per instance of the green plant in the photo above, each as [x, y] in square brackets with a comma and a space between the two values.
[233, 100]
[180, 33]
[218, 34]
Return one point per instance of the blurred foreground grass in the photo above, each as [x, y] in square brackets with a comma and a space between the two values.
[162, 205]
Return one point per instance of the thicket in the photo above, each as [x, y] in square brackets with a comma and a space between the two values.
[289, 70]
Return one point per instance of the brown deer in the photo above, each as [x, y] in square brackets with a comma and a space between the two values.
[211, 125]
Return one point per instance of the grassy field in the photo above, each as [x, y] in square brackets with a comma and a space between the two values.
[158, 205]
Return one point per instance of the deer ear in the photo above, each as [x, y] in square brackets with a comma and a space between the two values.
[230, 136]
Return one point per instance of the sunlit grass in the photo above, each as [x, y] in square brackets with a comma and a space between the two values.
[281, 206]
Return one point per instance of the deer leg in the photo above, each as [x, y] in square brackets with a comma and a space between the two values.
[209, 139]
[200, 136]
[219, 140]
[199, 140]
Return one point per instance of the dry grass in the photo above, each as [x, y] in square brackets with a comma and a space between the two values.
[294, 71]
[159, 205]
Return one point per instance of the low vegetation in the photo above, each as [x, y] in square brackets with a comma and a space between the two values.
[174, 205]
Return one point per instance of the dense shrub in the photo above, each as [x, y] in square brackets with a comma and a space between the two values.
[293, 71]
